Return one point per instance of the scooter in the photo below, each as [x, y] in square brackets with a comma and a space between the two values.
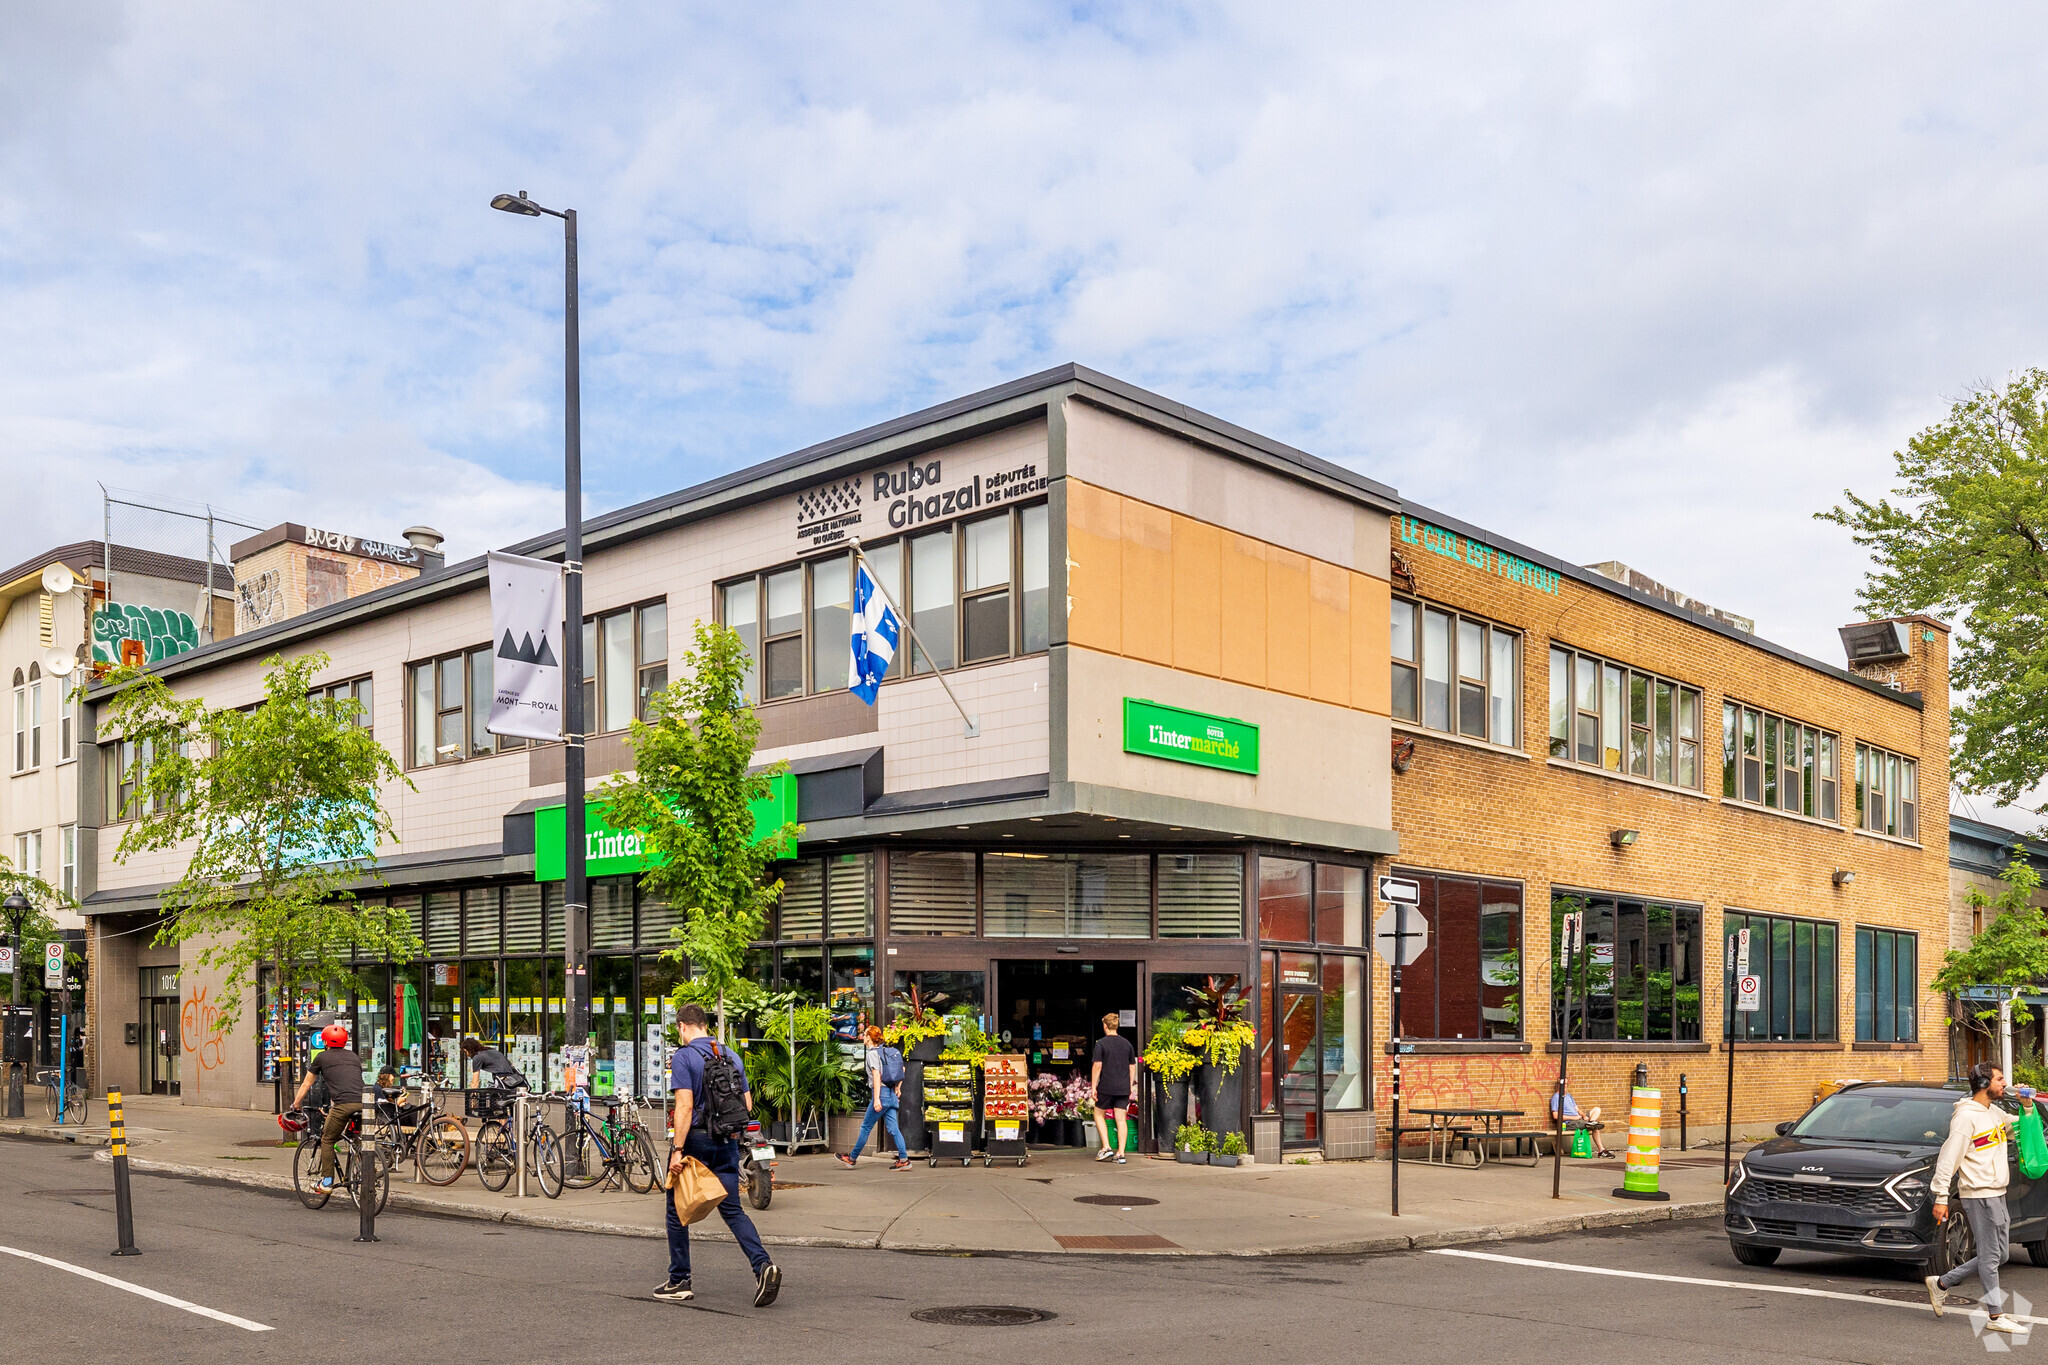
[757, 1165]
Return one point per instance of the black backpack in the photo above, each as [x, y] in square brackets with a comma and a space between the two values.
[722, 1105]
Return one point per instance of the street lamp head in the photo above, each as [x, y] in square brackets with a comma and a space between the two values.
[17, 907]
[506, 203]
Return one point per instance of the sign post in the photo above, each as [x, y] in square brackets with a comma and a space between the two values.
[1399, 945]
[1574, 925]
[1747, 992]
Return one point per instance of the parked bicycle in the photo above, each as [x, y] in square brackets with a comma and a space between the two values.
[617, 1151]
[497, 1155]
[349, 1155]
[72, 1107]
[437, 1144]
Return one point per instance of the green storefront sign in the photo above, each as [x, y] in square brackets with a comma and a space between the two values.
[1190, 736]
[608, 852]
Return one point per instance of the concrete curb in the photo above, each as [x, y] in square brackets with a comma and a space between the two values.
[50, 1132]
[1498, 1232]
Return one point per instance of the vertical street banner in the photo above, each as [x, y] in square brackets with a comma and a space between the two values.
[526, 630]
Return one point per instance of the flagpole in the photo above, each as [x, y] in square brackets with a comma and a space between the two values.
[973, 725]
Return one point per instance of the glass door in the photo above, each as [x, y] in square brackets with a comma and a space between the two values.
[163, 1031]
[1298, 1028]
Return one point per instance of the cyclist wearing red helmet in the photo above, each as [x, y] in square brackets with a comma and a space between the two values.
[338, 1065]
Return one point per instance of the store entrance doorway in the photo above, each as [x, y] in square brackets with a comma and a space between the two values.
[163, 1047]
[1051, 1011]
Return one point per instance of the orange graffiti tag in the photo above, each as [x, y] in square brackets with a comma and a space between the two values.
[200, 1034]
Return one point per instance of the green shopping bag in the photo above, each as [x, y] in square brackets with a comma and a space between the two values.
[2033, 1148]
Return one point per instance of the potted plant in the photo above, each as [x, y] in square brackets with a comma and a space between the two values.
[1190, 1145]
[1230, 1151]
[918, 1030]
[1046, 1094]
[1167, 1057]
[1219, 1036]
[1083, 1134]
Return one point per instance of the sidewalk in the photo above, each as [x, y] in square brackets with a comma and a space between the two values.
[1063, 1201]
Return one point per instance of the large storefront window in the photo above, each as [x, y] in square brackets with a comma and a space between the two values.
[1066, 895]
[1313, 1037]
[1795, 963]
[1887, 986]
[1637, 977]
[1467, 985]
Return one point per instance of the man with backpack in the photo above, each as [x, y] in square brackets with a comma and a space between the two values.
[885, 1081]
[712, 1105]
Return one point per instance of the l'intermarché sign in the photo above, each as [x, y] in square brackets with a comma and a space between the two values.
[608, 851]
[1190, 736]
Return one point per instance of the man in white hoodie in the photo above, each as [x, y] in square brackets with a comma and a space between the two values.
[1975, 1152]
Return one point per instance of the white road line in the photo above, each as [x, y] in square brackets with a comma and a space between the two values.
[229, 1318]
[1799, 1290]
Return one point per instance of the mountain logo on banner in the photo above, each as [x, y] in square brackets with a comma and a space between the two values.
[525, 653]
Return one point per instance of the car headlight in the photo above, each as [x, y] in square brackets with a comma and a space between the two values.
[1908, 1188]
[1735, 1181]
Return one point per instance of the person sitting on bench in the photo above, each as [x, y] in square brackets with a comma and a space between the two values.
[1590, 1120]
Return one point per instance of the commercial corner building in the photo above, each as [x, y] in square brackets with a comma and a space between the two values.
[1200, 727]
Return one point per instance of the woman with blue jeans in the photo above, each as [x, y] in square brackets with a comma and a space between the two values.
[882, 1107]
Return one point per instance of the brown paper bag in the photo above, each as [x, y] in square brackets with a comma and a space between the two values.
[695, 1190]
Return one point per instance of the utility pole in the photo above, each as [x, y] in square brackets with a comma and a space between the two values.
[1572, 927]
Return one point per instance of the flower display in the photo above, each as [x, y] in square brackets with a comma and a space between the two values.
[1046, 1096]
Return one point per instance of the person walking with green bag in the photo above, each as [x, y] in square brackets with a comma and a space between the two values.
[1114, 1079]
[1974, 1155]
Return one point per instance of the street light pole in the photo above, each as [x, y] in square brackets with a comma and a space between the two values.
[575, 886]
[17, 908]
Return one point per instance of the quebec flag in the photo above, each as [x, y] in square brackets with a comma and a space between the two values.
[875, 632]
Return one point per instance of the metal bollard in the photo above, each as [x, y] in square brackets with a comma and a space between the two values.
[124, 1206]
[366, 1170]
[519, 1121]
[1681, 1113]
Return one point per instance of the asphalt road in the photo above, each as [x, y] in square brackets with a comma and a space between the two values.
[506, 1294]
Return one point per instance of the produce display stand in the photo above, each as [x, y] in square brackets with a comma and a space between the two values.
[1005, 1106]
[949, 1111]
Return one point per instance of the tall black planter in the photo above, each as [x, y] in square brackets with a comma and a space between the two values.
[926, 1049]
[910, 1106]
[1220, 1095]
[1169, 1111]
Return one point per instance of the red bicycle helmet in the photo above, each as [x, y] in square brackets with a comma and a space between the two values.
[335, 1035]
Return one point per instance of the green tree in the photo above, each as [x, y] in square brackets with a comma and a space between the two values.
[38, 930]
[279, 805]
[690, 796]
[1967, 537]
[2011, 952]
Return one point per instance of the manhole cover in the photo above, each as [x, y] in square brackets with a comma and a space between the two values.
[982, 1315]
[1116, 1201]
[72, 1194]
[1918, 1296]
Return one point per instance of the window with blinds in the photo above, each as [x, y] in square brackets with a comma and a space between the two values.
[1067, 895]
[657, 919]
[480, 920]
[803, 901]
[409, 902]
[522, 918]
[931, 894]
[444, 924]
[850, 895]
[611, 914]
[551, 897]
[1201, 895]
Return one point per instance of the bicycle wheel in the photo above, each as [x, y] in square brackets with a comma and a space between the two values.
[50, 1101]
[352, 1158]
[494, 1161]
[306, 1172]
[583, 1159]
[442, 1149]
[638, 1155]
[547, 1161]
[74, 1104]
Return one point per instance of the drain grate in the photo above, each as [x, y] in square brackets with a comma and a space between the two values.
[1116, 1201]
[983, 1315]
[1918, 1296]
[72, 1194]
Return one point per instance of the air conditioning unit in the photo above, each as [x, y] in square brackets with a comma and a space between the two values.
[1875, 642]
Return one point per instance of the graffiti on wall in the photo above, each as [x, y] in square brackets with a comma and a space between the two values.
[262, 600]
[1481, 1081]
[201, 1036]
[158, 633]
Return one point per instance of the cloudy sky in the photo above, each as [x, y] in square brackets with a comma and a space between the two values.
[1625, 281]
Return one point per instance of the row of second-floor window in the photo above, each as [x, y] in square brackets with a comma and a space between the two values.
[448, 699]
[28, 858]
[1455, 673]
[1620, 719]
[31, 708]
[1887, 793]
[1771, 761]
[971, 591]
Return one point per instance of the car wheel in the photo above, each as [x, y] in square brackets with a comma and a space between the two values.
[2038, 1252]
[1753, 1255]
[1953, 1245]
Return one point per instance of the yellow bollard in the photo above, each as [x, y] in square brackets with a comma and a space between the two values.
[124, 1209]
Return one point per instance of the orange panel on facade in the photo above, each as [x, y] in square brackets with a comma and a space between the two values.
[1148, 582]
[1371, 682]
[1095, 567]
[1329, 633]
[1197, 596]
[1287, 621]
[1242, 599]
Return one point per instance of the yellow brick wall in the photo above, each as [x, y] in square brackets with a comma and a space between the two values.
[1469, 809]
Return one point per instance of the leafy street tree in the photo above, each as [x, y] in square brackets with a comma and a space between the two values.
[38, 930]
[2011, 952]
[1968, 539]
[689, 796]
[279, 805]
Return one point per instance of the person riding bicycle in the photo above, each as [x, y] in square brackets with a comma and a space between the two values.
[339, 1068]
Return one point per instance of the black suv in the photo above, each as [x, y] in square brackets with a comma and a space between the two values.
[1852, 1177]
